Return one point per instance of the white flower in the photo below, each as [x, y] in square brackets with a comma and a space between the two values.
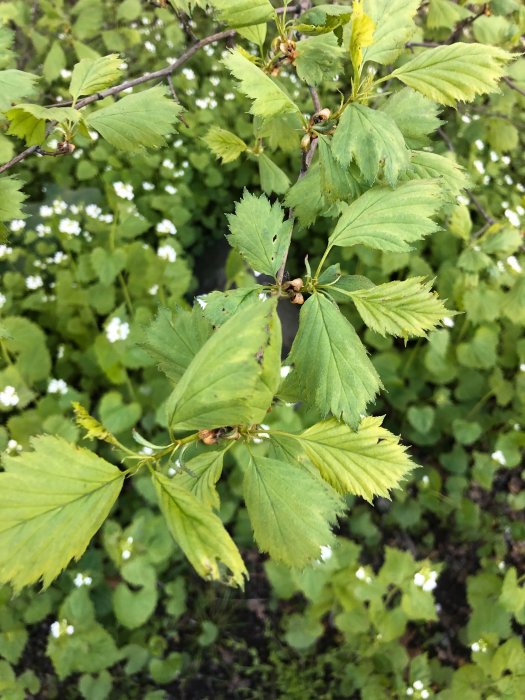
[3, 299]
[522, 367]
[17, 225]
[449, 322]
[5, 250]
[34, 282]
[479, 167]
[64, 73]
[146, 450]
[465, 119]
[117, 330]
[520, 210]
[214, 80]
[360, 574]
[59, 206]
[479, 144]
[148, 186]
[203, 304]
[70, 629]
[410, 691]
[55, 629]
[9, 397]
[188, 73]
[126, 554]
[167, 163]
[124, 191]
[170, 189]
[60, 352]
[461, 199]
[326, 552]
[418, 685]
[70, 226]
[57, 386]
[508, 180]
[59, 257]
[499, 457]
[426, 580]
[106, 218]
[93, 210]
[153, 290]
[130, 540]
[520, 187]
[166, 226]
[149, 46]
[229, 96]
[513, 217]
[81, 580]
[166, 252]
[13, 446]
[425, 480]
[285, 371]
[512, 261]
[494, 156]
[42, 230]
[506, 160]
[45, 211]
[425, 694]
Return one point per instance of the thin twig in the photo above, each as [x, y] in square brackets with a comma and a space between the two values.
[513, 85]
[176, 99]
[315, 98]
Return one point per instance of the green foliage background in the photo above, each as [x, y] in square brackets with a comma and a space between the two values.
[368, 621]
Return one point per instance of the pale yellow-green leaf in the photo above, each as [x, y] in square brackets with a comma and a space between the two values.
[243, 13]
[200, 475]
[52, 502]
[15, 84]
[199, 533]
[362, 33]
[91, 75]
[224, 144]
[394, 25]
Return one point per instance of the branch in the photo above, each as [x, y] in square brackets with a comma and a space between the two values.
[513, 85]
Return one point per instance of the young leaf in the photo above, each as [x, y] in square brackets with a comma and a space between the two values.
[273, 179]
[224, 144]
[336, 182]
[15, 84]
[331, 365]
[93, 428]
[268, 98]
[416, 116]
[390, 219]
[200, 476]
[367, 462]
[394, 27]
[323, 19]
[173, 339]
[305, 197]
[362, 34]
[373, 140]
[219, 307]
[29, 121]
[452, 177]
[243, 13]
[222, 385]
[400, 308]
[10, 199]
[52, 502]
[94, 74]
[318, 58]
[290, 510]
[259, 231]
[137, 121]
[199, 533]
[456, 72]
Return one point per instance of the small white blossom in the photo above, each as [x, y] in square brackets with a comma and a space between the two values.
[512, 261]
[188, 73]
[166, 252]
[520, 187]
[70, 226]
[360, 574]
[427, 580]
[9, 397]
[425, 694]
[203, 304]
[149, 47]
[55, 629]
[522, 367]
[479, 167]
[70, 629]
[449, 322]
[106, 218]
[479, 144]
[34, 282]
[326, 552]
[461, 199]
[508, 179]
[228, 96]
[425, 480]
[285, 371]
[42, 230]
[59, 206]
[153, 290]
[513, 217]
[418, 685]
[148, 186]
[13, 446]
[64, 73]
[82, 580]
[5, 250]
[117, 330]
[167, 163]
[170, 189]
[123, 190]
[17, 225]
[93, 210]
[45, 211]
[126, 554]
[57, 386]
[501, 566]
[3, 299]
[166, 226]
[499, 457]
[506, 160]
[410, 691]
[465, 119]
[494, 156]
[130, 540]
[520, 210]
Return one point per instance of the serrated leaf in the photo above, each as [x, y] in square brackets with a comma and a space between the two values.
[10, 199]
[388, 219]
[199, 533]
[362, 34]
[259, 231]
[443, 13]
[318, 58]
[323, 19]
[452, 177]
[394, 27]
[137, 121]
[224, 144]
[93, 427]
[291, 512]
[15, 84]
[219, 307]
[28, 121]
[222, 385]
[336, 182]
[456, 72]
[367, 462]
[373, 140]
[341, 379]
[54, 62]
[94, 74]
[268, 97]
[200, 476]
[272, 178]
[173, 339]
[242, 13]
[52, 502]
[415, 115]
[305, 197]
[400, 308]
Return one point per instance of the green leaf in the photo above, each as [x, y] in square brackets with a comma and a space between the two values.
[259, 231]
[388, 219]
[453, 178]
[224, 144]
[443, 13]
[323, 19]
[52, 502]
[373, 140]
[219, 307]
[242, 13]
[15, 84]
[394, 27]
[199, 533]
[362, 34]
[10, 199]
[336, 182]
[29, 121]
[456, 72]
[137, 121]
[223, 383]
[268, 98]
[94, 74]
[318, 58]
[290, 510]
[481, 351]
[173, 339]
[415, 115]
[54, 62]
[367, 462]
[273, 179]
[341, 379]
[305, 197]
[400, 308]
[200, 476]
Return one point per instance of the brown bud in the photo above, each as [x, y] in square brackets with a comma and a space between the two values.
[208, 437]
[297, 298]
[297, 284]
[305, 142]
[65, 148]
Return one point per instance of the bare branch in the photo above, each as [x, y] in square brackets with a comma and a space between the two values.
[513, 85]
